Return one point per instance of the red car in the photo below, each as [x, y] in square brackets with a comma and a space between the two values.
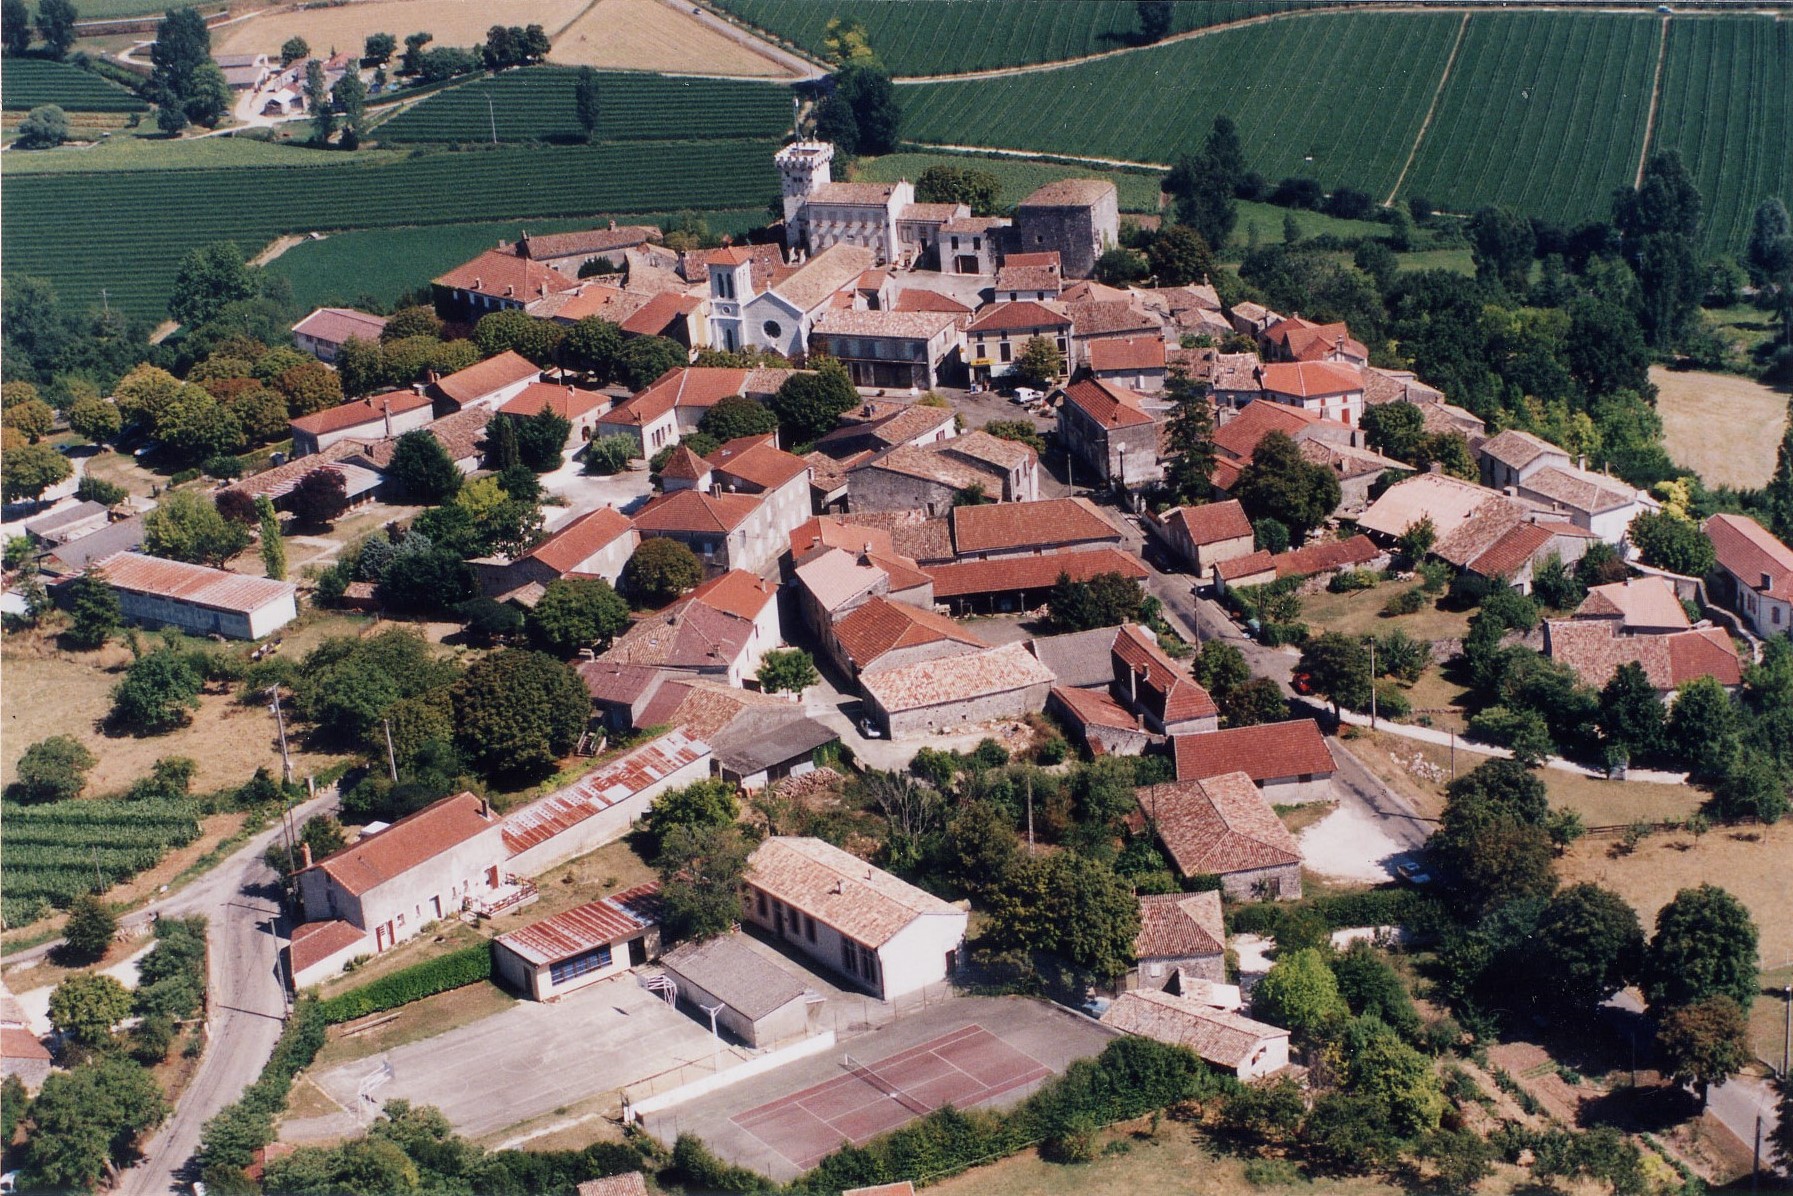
[1302, 683]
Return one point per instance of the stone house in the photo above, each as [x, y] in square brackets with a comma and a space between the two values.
[580, 408]
[1030, 529]
[1332, 390]
[1230, 1041]
[880, 634]
[1596, 648]
[1101, 724]
[1035, 276]
[496, 280]
[989, 585]
[490, 383]
[891, 349]
[1204, 536]
[999, 333]
[1080, 218]
[1289, 762]
[570, 253]
[1222, 826]
[1179, 932]
[1112, 435]
[956, 691]
[1155, 687]
[744, 517]
[970, 244]
[1134, 362]
[933, 477]
[1522, 549]
[722, 629]
[596, 544]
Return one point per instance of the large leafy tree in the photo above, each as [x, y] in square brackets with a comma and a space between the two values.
[1704, 1043]
[1338, 668]
[700, 880]
[56, 26]
[1588, 946]
[156, 693]
[53, 769]
[88, 1120]
[660, 570]
[1492, 840]
[1659, 225]
[1630, 712]
[94, 610]
[320, 497]
[809, 404]
[978, 190]
[1705, 945]
[587, 102]
[1189, 438]
[187, 526]
[1300, 993]
[89, 931]
[1281, 484]
[86, 1006]
[787, 670]
[576, 613]
[1670, 541]
[867, 90]
[1502, 244]
[697, 806]
[422, 469]
[737, 416]
[210, 276]
[15, 28]
[1180, 255]
[27, 470]
[517, 712]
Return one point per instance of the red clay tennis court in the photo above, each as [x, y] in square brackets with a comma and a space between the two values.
[870, 1097]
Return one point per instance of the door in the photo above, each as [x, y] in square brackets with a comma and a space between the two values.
[637, 952]
[492, 877]
[967, 264]
[382, 936]
[952, 962]
[436, 904]
[778, 918]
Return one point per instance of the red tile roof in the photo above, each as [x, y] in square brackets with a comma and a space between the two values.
[1108, 405]
[1218, 824]
[316, 941]
[688, 386]
[684, 466]
[357, 412]
[1127, 353]
[1049, 257]
[691, 511]
[584, 927]
[995, 527]
[485, 377]
[1212, 522]
[411, 842]
[1012, 317]
[1311, 379]
[736, 593]
[616, 681]
[1095, 708]
[1747, 550]
[565, 401]
[881, 626]
[1038, 573]
[1181, 696]
[593, 241]
[16, 1042]
[1249, 565]
[504, 275]
[1325, 557]
[916, 299]
[196, 585]
[757, 461]
[599, 790]
[567, 548]
[334, 325]
[1265, 752]
[1240, 435]
[1180, 926]
[1595, 649]
[1507, 555]
[661, 312]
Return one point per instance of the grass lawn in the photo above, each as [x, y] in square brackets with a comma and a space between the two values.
[610, 869]
[1768, 1016]
[1744, 323]
[1432, 695]
[1458, 261]
[420, 1019]
[1723, 427]
[1360, 613]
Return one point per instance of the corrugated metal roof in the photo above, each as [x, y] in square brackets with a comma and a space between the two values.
[606, 920]
[196, 585]
[596, 792]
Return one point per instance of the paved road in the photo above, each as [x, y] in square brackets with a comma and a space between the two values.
[246, 1007]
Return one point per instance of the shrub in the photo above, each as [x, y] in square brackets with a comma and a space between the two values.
[1407, 602]
[469, 965]
[1392, 700]
[1273, 1173]
[1347, 580]
[609, 454]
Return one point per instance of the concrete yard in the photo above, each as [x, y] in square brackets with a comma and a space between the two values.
[1047, 1037]
[535, 1058]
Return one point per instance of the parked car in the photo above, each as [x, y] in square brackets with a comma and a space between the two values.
[1025, 395]
[1409, 869]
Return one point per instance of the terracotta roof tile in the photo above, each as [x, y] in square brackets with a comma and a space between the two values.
[1109, 317]
[1239, 437]
[1074, 193]
[1219, 1036]
[313, 942]
[1311, 379]
[1518, 449]
[915, 534]
[502, 274]
[811, 284]
[1018, 316]
[629, 1183]
[684, 466]
[1096, 708]
[1218, 824]
[1212, 522]
[866, 904]
[1108, 405]
[1264, 752]
[197, 585]
[339, 324]
[757, 461]
[1580, 490]
[996, 527]
[1127, 353]
[1637, 602]
[591, 240]
[357, 412]
[1037, 573]
[1180, 697]
[690, 511]
[881, 626]
[736, 593]
[1180, 926]
[919, 299]
[1325, 556]
[688, 634]
[1249, 565]
[492, 374]
[411, 842]
[567, 402]
[955, 678]
[1595, 649]
[1747, 550]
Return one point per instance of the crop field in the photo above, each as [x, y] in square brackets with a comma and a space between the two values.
[57, 851]
[1543, 111]
[385, 263]
[949, 37]
[134, 226]
[648, 35]
[29, 82]
[346, 26]
[1348, 114]
[537, 105]
[1019, 177]
[1727, 105]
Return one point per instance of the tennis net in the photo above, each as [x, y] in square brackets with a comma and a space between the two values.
[894, 1091]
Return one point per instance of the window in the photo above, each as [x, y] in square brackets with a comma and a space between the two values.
[1002, 351]
[595, 960]
[955, 242]
[772, 329]
[761, 894]
[809, 928]
[977, 244]
[847, 955]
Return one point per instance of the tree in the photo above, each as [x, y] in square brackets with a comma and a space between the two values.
[1106, 600]
[1778, 494]
[89, 931]
[1701, 732]
[1096, 913]
[576, 613]
[1417, 540]
[320, 497]
[44, 127]
[378, 49]
[660, 570]
[542, 439]
[1781, 1139]
[586, 101]
[1705, 945]
[1397, 1077]
[836, 123]
[208, 278]
[699, 806]
[95, 419]
[645, 358]
[273, 550]
[350, 95]
[94, 610]
[15, 33]
[56, 26]
[1154, 19]
[1039, 363]
[1282, 485]
[1189, 439]
[517, 712]
[979, 190]
[1704, 1043]
[188, 527]
[1301, 994]
[53, 769]
[412, 62]
[85, 1007]
[700, 880]
[182, 45]
[787, 670]
[293, 49]
[1753, 785]
[1669, 541]
[1395, 430]
[1338, 668]
[87, 1121]
[30, 469]
[593, 345]
[317, 102]
[809, 404]
[737, 416]
[867, 90]
[1588, 946]
[156, 693]
[1259, 700]
[1630, 712]
[1492, 841]
[208, 96]
[1502, 244]
[1180, 255]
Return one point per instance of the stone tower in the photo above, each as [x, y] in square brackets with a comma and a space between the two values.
[803, 169]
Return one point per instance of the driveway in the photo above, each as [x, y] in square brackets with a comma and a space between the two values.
[627, 491]
[533, 1058]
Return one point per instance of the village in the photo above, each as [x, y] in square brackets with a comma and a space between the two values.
[903, 499]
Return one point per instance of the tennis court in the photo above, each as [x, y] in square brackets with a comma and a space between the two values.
[963, 1067]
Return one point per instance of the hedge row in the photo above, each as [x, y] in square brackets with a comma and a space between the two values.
[469, 965]
[1374, 907]
[230, 1139]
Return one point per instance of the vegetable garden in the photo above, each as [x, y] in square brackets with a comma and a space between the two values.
[537, 105]
[29, 82]
[55, 852]
[129, 229]
[977, 35]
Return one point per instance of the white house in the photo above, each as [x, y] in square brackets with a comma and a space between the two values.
[377, 417]
[1758, 569]
[324, 332]
[1249, 1049]
[197, 599]
[782, 316]
[581, 946]
[882, 933]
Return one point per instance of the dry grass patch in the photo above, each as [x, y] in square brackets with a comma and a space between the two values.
[1723, 427]
[420, 1019]
[1768, 1016]
[610, 869]
[1750, 862]
[1360, 613]
[1299, 817]
[648, 35]
[346, 26]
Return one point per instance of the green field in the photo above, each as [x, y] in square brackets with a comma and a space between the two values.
[1339, 97]
[29, 82]
[1543, 111]
[537, 105]
[1018, 176]
[132, 227]
[385, 263]
[56, 851]
[949, 37]
[1727, 105]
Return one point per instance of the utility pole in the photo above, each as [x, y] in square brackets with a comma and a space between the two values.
[1787, 1039]
[391, 760]
[1030, 814]
[1453, 753]
[286, 760]
[1372, 684]
[1755, 1163]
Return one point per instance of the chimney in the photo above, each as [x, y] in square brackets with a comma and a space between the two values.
[485, 808]
[387, 409]
[613, 226]
[1581, 462]
[305, 854]
[477, 281]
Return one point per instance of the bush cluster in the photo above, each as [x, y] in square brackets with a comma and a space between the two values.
[469, 965]
[230, 1140]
